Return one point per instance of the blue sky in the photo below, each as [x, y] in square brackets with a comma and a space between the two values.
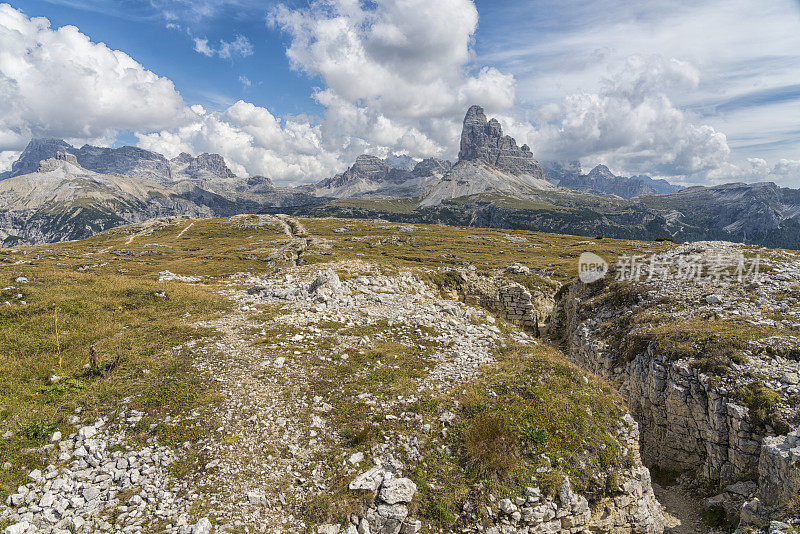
[695, 91]
[142, 31]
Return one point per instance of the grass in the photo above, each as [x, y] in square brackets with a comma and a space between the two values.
[761, 403]
[436, 245]
[719, 342]
[490, 444]
[532, 403]
[712, 344]
[89, 341]
[533, 283]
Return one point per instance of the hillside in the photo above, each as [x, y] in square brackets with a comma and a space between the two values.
[263, 395]
[275, 373]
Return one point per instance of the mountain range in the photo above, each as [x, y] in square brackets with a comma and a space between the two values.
[56, 192]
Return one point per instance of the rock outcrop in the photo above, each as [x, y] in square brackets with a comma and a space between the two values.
[694, 412]
[483, 141]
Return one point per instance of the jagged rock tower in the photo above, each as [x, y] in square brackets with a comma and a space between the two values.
[483, 141]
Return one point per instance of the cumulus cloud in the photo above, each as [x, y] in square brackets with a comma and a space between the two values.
[396, 78]
[252, 141]
[395, 74]
[631, 124]
[785, 172]
[7, 157]
[241, 46]
[60, 83]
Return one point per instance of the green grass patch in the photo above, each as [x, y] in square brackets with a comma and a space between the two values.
[101, 339]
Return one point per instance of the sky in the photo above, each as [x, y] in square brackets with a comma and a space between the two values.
[694, 91]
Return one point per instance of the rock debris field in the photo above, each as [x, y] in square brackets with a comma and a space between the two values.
[272, 436]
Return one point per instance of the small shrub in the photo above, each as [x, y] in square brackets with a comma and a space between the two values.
[319, 508]
[612, 483]
[436, 510]
[490, 445]
[37, 431]
[359, 434]
[761, 402]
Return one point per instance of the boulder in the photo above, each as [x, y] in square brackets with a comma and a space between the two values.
[368, 480]
[397, 490]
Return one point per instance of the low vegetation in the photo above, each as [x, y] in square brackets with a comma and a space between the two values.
[93, 329]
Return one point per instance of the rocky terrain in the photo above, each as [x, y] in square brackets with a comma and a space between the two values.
[708, 365]
[274, 374]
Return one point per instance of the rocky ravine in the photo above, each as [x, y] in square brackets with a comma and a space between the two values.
[727, 416]
[271, 454]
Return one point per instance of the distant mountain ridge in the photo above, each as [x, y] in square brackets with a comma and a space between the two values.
[62, 200]
[55, 191]
[128, 161]
[600, 180]
[487, 161]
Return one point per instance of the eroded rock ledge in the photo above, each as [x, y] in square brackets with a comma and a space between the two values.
[721, 404]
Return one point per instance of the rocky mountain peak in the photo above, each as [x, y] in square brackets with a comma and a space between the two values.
[601, 170]
[37, 150]
[183, 157]
[431, 166]
[208, 164]
[483, 141]
[66, 156]
[367, 166]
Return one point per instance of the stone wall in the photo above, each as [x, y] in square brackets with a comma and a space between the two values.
[503, 297]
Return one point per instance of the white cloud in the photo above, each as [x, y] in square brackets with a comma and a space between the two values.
[7, 157]
[252, 141]
[741, 48]
[60, 83]
[245, 81]
[785, 172]
[396, 78]
[201, 46]
[241, 46]
[631, 124]
[395, 74]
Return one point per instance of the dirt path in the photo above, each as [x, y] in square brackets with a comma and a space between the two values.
[681, 510]
[184, 230]
[276, 442]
